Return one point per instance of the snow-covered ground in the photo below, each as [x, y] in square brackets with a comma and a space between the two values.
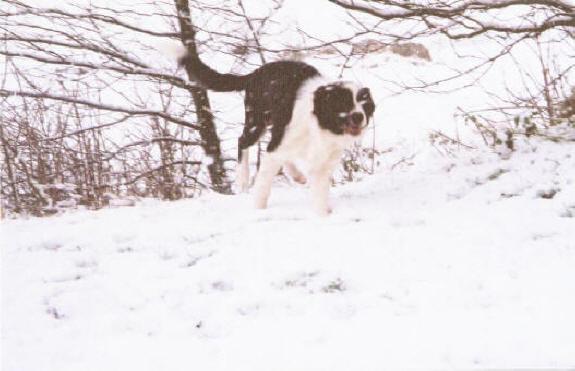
[435, 262]
[445, 258]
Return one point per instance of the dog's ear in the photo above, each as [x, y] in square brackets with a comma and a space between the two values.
[322, 108]
[364, 98]
[320, 100]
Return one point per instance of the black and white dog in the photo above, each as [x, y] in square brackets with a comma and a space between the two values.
[311, 120]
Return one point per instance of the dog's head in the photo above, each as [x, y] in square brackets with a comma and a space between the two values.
[343, 108]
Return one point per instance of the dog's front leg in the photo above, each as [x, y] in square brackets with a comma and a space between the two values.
[320, 182]
[264, 178]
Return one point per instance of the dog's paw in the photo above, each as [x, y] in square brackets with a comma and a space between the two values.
[294, 173]
[260, 203]
[301, 179]
[242, 183]
[323, 211]
[244, 187]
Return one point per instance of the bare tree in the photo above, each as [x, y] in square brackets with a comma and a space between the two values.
[205, 119]
[466, 19]
[91, 110]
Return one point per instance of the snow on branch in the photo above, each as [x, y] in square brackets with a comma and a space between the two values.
[466, 19]
[97, 105]
[175, 80]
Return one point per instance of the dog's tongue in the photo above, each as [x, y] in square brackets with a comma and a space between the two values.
[352, 130]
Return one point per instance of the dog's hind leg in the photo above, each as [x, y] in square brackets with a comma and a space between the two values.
[243, 170]
[294, 173]
[254, 128]
[268, 169]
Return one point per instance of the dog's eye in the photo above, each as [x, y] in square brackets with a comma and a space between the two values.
[369, 108]
[363, 95]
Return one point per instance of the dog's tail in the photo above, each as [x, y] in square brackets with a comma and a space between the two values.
[210, 78]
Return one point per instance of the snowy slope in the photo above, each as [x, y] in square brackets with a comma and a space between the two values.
[439, 260]
[432, 263]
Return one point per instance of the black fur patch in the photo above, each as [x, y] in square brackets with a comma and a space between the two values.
[271, 91]
[332, 104]
[364, 98]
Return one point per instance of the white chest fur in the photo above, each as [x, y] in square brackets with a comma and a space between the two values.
[306, 143]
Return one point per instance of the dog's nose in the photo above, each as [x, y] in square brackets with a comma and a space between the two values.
[357, 118]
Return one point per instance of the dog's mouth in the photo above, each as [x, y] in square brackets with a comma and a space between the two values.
[353, 129]
[355, 123]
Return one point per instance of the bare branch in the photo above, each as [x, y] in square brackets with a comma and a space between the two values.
[101, 106]
[466, 19]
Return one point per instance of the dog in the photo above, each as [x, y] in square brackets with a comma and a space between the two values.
[312, 120]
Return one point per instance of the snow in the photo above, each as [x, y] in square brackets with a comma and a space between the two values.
[444, 258]
[436, 262]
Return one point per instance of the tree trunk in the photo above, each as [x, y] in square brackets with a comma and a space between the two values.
[210, 141]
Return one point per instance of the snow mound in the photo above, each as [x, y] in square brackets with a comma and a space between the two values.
[433, 262]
